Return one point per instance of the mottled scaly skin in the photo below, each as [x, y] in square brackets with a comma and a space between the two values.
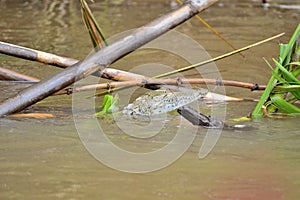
[149, 104]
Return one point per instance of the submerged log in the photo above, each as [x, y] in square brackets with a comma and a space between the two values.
[200, 119]
[103, 58]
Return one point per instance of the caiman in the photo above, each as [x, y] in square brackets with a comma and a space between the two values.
[158, 103]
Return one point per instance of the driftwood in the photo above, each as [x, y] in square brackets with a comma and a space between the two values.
[103, 58]
[109, 73]
[62, 62]
[200, 119]
[6, 74]
[158, 82]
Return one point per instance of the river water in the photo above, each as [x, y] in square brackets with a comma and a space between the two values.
[45, 158]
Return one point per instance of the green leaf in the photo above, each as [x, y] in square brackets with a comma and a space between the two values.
[286, 88]
[286, 50]
[241, 119]
[288, 75]
[281, 104]
[290, 78]
[96, 33]
[109, 104]
[258, 112]
[114, 104]
[296, 71]
[283, 80]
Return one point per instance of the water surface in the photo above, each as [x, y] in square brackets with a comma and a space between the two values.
[45, 159]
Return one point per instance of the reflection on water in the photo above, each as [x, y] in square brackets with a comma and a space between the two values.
[44, 159]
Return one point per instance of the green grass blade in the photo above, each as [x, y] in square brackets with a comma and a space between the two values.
[218, 57]
[285, 53]
[96, 33]
[296, 71]
[295, 63]
[286, 88]
[288, 76]
[258, 111]
[282, 105]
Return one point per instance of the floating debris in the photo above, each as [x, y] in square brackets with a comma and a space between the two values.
[163, 102]
[32, 115]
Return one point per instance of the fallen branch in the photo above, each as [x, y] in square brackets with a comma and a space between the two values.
[145, 82]
[62, 62]
[103, 58]
[35, 55]
[6, 74]
[200, 119]
[108, 73]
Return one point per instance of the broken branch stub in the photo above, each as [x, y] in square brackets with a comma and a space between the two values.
[104, 57]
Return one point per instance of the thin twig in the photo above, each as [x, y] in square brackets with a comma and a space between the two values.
[218, 57]
[213, 30]
[145, 82]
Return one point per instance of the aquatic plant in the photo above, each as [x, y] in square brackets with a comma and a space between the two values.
[283, 88]
[109, 105]
[96, 33]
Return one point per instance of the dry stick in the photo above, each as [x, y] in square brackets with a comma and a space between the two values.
[115, 74]
[62, 62]
[213, 30]
[204, 62]
[145, 82]
[130, 79]
[110, 73]
[218, 57]
[104, 57]
[7, 74]
[35, 55]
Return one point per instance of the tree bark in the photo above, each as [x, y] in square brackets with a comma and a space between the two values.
[63, 62]
[6, 74]
[104, 57]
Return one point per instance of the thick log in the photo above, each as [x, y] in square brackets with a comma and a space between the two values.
[104, 57]
[6, 74]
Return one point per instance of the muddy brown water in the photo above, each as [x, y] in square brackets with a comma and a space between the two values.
[45, 158]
